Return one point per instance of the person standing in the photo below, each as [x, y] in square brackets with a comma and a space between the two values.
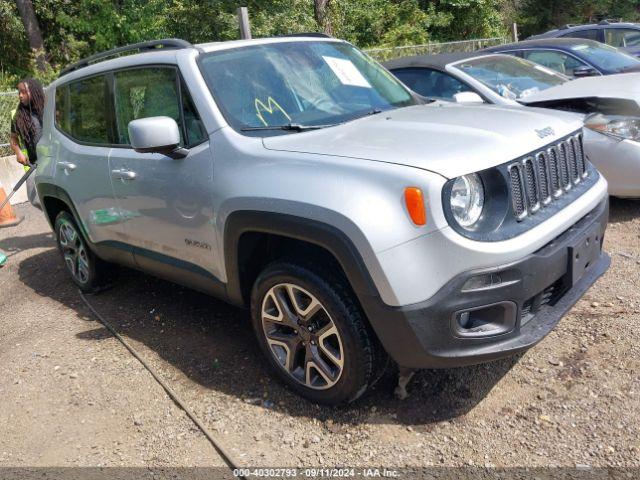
[26, 129]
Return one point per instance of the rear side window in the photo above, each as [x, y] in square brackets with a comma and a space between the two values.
[431, 83]
[83, 110]
[588, 34]
[153, 92]
[622, 37]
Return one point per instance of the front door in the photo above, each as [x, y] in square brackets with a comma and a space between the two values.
[166, 204]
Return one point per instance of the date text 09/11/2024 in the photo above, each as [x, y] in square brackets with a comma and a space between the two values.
[316, 472]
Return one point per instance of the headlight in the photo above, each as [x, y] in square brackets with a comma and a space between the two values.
[467, 199]
[626, 128]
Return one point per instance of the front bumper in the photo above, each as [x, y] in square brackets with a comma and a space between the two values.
[524, 303]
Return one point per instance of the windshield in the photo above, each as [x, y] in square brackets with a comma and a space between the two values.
[511, 77]
[299, 83]
[605, 57]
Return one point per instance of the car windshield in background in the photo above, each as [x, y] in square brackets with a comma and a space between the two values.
[511, 77]
[605, 57]
[303, 84]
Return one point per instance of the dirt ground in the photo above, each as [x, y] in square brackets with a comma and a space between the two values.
[71, 395]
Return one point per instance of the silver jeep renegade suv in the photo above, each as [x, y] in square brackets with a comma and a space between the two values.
[296, 177]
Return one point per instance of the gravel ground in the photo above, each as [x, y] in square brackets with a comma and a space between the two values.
[72, 395]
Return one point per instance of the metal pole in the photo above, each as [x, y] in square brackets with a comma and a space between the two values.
[243, 21]
[514, 32]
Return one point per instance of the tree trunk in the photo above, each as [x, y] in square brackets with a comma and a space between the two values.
[323, 16]
[31, 26]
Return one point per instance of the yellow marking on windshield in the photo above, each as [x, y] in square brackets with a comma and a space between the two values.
[270, 107]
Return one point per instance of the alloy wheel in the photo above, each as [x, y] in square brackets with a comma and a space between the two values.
[74, 252]
[302, 337]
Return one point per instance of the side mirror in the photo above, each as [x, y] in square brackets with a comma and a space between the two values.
[156, 135]
[584, 72]
[467, 97]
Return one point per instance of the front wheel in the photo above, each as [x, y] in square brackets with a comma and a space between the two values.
[313, 333]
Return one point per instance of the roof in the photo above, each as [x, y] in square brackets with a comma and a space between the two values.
[228, 44]
[544, 42]
[434, 61]
[589, 26]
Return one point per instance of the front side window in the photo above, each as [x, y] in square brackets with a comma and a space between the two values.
[83, 111]
[154, 92]
[605, 57]
[510, 77]
[592, 34]
[431, 83]
[145, 92]
[622, 37]
[305, 83]
[558, 61]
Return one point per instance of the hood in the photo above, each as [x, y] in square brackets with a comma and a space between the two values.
[621, 85]
[448, 139]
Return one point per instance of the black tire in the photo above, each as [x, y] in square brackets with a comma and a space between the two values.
[87, 271]
[359, 350]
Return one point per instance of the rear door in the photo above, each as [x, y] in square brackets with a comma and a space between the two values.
[84, 117]
[167, 203]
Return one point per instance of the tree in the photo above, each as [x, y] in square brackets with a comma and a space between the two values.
[321, 9]
[34, 35]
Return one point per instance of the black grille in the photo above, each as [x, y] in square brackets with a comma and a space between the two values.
[543, 179]
[534, 304]
[517, 196]
[580, 160]
[565, 181]
[554, 176]
[533, 196]
[538, 180]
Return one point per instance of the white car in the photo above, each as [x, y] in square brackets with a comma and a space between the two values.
[612, 103]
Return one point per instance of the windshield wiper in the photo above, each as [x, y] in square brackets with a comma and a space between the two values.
[296, 127]
[374, 111]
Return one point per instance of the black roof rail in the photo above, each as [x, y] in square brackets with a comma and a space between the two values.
[307, 34]
[169, 43]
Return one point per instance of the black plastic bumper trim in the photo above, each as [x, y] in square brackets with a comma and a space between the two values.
[420, 335]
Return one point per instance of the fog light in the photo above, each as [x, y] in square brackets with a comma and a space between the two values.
[485, 321]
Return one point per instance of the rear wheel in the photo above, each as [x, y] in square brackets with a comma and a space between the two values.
[313, 333]
[87, 271]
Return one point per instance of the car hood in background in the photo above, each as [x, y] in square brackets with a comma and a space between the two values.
[622, 85]
[448, 139]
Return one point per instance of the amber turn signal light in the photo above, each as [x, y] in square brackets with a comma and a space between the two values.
[415, 205]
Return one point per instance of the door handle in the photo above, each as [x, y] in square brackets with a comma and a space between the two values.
[123, 174]
[67, 166]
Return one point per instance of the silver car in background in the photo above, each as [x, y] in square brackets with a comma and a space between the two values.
[299, 179]
[611, 103]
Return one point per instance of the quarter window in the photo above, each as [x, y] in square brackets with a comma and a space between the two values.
[82, 110]
[558, 61]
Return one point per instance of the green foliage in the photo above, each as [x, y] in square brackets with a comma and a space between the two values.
[537, 16]
[73, 29]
